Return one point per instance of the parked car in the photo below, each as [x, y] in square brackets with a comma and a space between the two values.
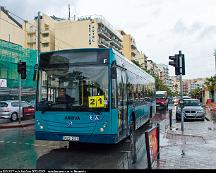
[32, 103]
[10, 109]
[186, 97]
[192, 110]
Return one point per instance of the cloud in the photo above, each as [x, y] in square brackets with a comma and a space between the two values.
[208, 33]
[181, 28]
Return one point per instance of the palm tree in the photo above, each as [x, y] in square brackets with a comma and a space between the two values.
[211, 85]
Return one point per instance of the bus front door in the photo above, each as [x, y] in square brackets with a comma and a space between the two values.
[122, 103]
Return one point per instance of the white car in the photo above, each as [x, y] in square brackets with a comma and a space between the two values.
[10, 109]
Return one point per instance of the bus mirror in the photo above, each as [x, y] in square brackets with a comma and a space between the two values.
[35, 77]
[114, 74]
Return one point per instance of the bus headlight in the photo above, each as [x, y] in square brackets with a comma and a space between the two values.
[101, 129]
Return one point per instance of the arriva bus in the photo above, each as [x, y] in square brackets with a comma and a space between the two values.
[92, 95]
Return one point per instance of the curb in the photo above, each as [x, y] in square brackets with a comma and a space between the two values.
[15, 126]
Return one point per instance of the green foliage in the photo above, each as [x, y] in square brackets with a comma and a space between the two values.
[196, 93]
[211, 83]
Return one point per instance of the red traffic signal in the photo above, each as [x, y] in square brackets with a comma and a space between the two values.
[22, 69]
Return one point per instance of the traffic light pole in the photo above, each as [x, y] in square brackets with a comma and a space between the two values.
[181, 93]
[181, 103]
[19, 98]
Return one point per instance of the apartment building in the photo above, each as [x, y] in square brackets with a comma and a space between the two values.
[87, 32]
[47, 33]
[164, 73]
[129, 50]
[11, 30]
[141, 58]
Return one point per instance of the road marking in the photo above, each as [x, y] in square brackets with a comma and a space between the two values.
[8, 142]
[27, 143]
[14, 142]
[2, 141]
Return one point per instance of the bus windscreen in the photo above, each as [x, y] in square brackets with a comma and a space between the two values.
[69, 85]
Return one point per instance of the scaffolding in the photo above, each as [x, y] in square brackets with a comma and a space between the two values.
[10, 54]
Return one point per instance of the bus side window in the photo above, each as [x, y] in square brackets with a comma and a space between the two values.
[114, 94]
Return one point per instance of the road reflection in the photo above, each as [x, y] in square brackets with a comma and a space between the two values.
[97, 156]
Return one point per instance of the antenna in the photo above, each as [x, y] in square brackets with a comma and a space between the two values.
[69, 11]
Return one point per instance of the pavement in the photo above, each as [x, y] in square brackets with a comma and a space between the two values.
[194, 148]
[5, 124]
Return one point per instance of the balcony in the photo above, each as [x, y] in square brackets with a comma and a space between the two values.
[31, 41]
[104, 33]
[103, 43]
[116, 43]
[31, 32]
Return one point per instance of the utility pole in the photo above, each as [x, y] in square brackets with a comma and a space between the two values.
[21, 69]
[69, 11]
[20, 87]
[215, 60]
[38, 54]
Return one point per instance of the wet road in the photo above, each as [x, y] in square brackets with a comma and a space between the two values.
[19, 150]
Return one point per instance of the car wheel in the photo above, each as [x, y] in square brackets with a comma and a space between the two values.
[14, 116]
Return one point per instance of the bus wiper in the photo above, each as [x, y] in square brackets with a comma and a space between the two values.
[43, 106]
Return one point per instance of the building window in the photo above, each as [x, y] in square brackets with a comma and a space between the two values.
[45, 44]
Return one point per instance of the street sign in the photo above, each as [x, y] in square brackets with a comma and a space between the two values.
[3, 83]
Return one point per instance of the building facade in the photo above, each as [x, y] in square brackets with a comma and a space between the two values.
[87, 32]
[10, 29]
[129, 50]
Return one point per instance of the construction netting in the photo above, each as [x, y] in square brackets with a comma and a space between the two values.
[10, 54]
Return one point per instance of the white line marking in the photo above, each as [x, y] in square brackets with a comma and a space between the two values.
[14, 142]
[2, 141]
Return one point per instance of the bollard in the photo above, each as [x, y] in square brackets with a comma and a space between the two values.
[170, 118]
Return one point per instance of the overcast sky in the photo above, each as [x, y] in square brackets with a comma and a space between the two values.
[160, 27]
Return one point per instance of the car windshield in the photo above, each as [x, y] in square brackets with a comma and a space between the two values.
[160, 96]
[191, 103]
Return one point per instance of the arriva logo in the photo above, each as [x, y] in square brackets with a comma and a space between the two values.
[69, 124]
[72, 118]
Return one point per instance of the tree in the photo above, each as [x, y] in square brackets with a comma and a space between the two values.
[211, 85]
[196, 93]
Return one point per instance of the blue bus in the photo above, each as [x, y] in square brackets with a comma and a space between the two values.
[91, 95]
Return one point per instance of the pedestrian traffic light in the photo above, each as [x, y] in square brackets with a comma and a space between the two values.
[22, 69]
[175, 63]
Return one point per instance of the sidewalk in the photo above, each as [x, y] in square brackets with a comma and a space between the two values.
[23, 123]
[195, 149]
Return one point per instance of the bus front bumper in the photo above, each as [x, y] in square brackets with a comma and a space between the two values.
[83, 138]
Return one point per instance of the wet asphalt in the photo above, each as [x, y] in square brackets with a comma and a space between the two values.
[20, 150]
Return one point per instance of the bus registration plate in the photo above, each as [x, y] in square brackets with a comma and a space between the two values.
[70, 138]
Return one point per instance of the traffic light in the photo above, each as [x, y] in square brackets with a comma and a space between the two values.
[178, 62]
[22, 69]
[175, 63]
[183, 63]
